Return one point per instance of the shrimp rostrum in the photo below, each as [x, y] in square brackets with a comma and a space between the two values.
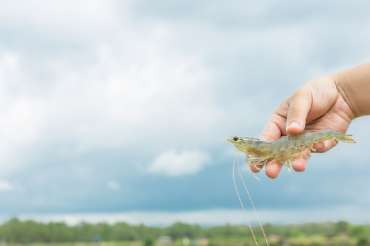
[286, 148]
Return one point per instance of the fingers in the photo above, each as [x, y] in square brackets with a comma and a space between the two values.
[299, 165]
[324, 146]
[271, 132]
[274, 129]
[289, 118]
[273, 169]
[298, 109]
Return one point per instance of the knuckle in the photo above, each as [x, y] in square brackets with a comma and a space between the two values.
[298, 96]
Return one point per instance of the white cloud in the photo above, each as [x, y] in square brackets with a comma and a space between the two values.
[68, 19]
[5, 186]
[120, 93]
[81, 79]
[172, 163]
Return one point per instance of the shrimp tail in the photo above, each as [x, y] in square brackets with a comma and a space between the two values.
[346, 138]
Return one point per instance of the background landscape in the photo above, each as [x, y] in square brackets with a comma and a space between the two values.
[118, 112]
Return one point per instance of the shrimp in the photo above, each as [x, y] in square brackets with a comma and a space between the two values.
[287, 148]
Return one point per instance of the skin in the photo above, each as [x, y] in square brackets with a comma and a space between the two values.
[317, 105]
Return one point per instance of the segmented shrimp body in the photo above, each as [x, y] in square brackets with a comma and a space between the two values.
[287, 148]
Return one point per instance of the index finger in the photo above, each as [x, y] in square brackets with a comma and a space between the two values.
[271, 132]
[274, 128]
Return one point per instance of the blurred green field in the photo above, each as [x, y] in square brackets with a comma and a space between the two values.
[30, 233]
[340, 240]
[128, 243]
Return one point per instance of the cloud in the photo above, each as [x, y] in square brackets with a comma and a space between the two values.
[5, 186]
[60, 21]
[92, 95]
[172, 163]
[100, 103]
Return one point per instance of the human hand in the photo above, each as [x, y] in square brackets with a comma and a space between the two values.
[316, 106]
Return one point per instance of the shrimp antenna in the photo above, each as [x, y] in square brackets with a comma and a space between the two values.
[244, 184]
[242, 204]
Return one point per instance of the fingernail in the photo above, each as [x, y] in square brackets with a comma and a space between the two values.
[294, 124]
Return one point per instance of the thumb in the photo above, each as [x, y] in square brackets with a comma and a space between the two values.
[298, 109]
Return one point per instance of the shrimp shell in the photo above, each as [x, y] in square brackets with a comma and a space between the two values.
[286, 148]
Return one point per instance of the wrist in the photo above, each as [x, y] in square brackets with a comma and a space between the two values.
[353, 86]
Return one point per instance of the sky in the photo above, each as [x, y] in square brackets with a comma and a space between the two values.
[120, 110]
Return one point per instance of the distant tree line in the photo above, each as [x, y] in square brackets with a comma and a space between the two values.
[28, 231]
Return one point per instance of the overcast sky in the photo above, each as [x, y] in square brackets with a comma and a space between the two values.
[122, 108]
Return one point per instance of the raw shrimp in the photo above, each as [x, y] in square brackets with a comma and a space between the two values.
[287, 148]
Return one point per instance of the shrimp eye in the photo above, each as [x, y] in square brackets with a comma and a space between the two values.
[235, 138]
